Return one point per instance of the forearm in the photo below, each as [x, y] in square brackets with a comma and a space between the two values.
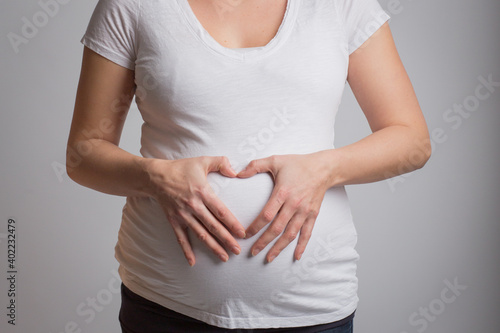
[109, 169]
[386, 153]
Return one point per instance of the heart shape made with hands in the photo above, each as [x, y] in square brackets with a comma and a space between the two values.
[244, 197]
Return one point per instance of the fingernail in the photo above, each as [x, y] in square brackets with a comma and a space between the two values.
[299, 256]
[255, 252]
[271, 258]
[241, 234]
[248, 234]
[235, 250]
[223, 257]
[191, 262]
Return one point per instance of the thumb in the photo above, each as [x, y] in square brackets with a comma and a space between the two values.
[256, 166]
[222, 165]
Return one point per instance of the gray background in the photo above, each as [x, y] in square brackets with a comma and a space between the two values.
[417, 234]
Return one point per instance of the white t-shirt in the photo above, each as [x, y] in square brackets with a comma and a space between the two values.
[197, 98]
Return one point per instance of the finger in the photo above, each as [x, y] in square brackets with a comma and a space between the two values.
[204, 236]
[274, 230]
[183, 240]
[268, 213]
[221, 164]
[305, 235]
[257, 166]
[292, 230]
[218, 230]
[222, 213]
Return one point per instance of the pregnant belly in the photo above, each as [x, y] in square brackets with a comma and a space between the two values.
[212, 282]
[244, 281]
[245, 198]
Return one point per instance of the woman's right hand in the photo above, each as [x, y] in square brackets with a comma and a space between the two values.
[94, 160]
[182, 189]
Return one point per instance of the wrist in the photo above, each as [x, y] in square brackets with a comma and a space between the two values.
[329, 161]
[151, 175]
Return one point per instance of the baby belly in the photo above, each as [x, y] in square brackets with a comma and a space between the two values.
[213, 282]
[244, 280]
[245, 198]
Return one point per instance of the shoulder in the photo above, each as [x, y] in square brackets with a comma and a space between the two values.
[119, 6]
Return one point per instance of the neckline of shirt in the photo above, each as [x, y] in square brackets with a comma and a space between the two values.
[247, 53]
[246, 49]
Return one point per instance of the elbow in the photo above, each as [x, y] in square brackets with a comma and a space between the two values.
[73, 161]
[426, 156]
[428, 153]
[422, 152]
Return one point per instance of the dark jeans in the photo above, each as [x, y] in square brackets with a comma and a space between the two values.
[139, 315]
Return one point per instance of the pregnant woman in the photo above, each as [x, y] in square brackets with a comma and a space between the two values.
[236, 216]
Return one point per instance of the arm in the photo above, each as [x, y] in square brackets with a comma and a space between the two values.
[94, 160]
[400, 140]
[399, 143]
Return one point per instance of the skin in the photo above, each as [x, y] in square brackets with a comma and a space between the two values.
[399, 142]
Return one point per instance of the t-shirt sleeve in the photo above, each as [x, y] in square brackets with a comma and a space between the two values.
[111, 31]
[361, 19]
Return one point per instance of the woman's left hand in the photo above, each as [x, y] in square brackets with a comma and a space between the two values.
[300, 183]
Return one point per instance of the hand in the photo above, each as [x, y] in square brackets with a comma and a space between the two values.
[182, 189]
[300, 183]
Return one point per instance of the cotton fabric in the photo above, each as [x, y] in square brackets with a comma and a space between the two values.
[138, 314]
[198, 98]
